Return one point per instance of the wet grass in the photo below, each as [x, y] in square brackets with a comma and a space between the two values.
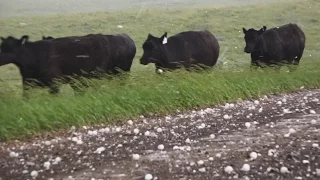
[145, 92]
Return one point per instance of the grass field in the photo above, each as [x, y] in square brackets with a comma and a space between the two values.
[145, 92]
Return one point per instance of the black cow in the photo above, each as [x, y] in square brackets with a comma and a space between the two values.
[183, 49]
[61, 58]
[47, 38]
[276, 47]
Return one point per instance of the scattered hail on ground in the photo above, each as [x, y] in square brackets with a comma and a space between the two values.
[274, 137]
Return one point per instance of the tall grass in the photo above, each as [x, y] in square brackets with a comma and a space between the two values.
[108, 101]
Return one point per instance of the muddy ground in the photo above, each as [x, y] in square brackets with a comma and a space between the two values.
[276, 136]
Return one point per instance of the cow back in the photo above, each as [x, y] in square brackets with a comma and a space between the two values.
[284, 42]
[75, 55]
[195, 47]
[122, 52]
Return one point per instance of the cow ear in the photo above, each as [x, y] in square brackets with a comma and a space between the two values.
[43, 37]
[2, 38]
[150, 36]
[264, 28]
[164, 35]
[164, 38]
[24, 39]
[244, 30]
[261, 30]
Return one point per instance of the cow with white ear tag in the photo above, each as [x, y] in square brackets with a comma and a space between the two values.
[185, 49]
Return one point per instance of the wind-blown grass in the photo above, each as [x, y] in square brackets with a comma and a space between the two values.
[145, 92]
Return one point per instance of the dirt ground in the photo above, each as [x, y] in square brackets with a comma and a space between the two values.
[276, 137]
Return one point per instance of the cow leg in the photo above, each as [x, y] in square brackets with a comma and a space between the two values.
[53, 88]
[254, 66]
[26, 88]
[79, 86]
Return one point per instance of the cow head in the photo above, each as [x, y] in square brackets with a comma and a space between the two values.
[251, 37]
[47, 38]
[153, 49]
[9, 44]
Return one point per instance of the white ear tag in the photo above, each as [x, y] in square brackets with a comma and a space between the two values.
[23, 41]
[164, 40]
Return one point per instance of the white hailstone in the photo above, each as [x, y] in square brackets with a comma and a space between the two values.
[256, 102]
[161, 147]
[135, 156]
[107, 130]
[46, 165]
[74, 139]
[212, 136]
[120, 26]
[48, 143]
[92, 133]
[188, 148]
[120, 145]
[57, 160]
[255, 122]
[218, 155]
[245, 167]
[79, 142]
[305, 162]
[313, 121]
[315, 145]
[118, 129]
[210, 158]
[148, 177]
[100, 150]
[203, 169]
[247, 124]
[287, 135]
[312, 112]
[34, 174]
[159, 130]
[188, 140]
[228, 169]
[231, 105]
[271, 152]
[253, 155]
[226, 116]
[25, 171]
[130, 122]
[284, 169]
[286, 111]
[291, 130]
[260, 110]
[136, 131]
[279, 103]
[203, 125]
[147, 133]
[315, 100]
[200, 162]
[13, 154]
[318, 172]
[160, 71]
[102, 130]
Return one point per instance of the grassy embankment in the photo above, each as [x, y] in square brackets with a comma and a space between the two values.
[146, 92]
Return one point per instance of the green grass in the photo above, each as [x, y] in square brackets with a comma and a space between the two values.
[146, 92]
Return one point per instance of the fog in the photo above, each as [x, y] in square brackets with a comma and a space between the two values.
[9, 8]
